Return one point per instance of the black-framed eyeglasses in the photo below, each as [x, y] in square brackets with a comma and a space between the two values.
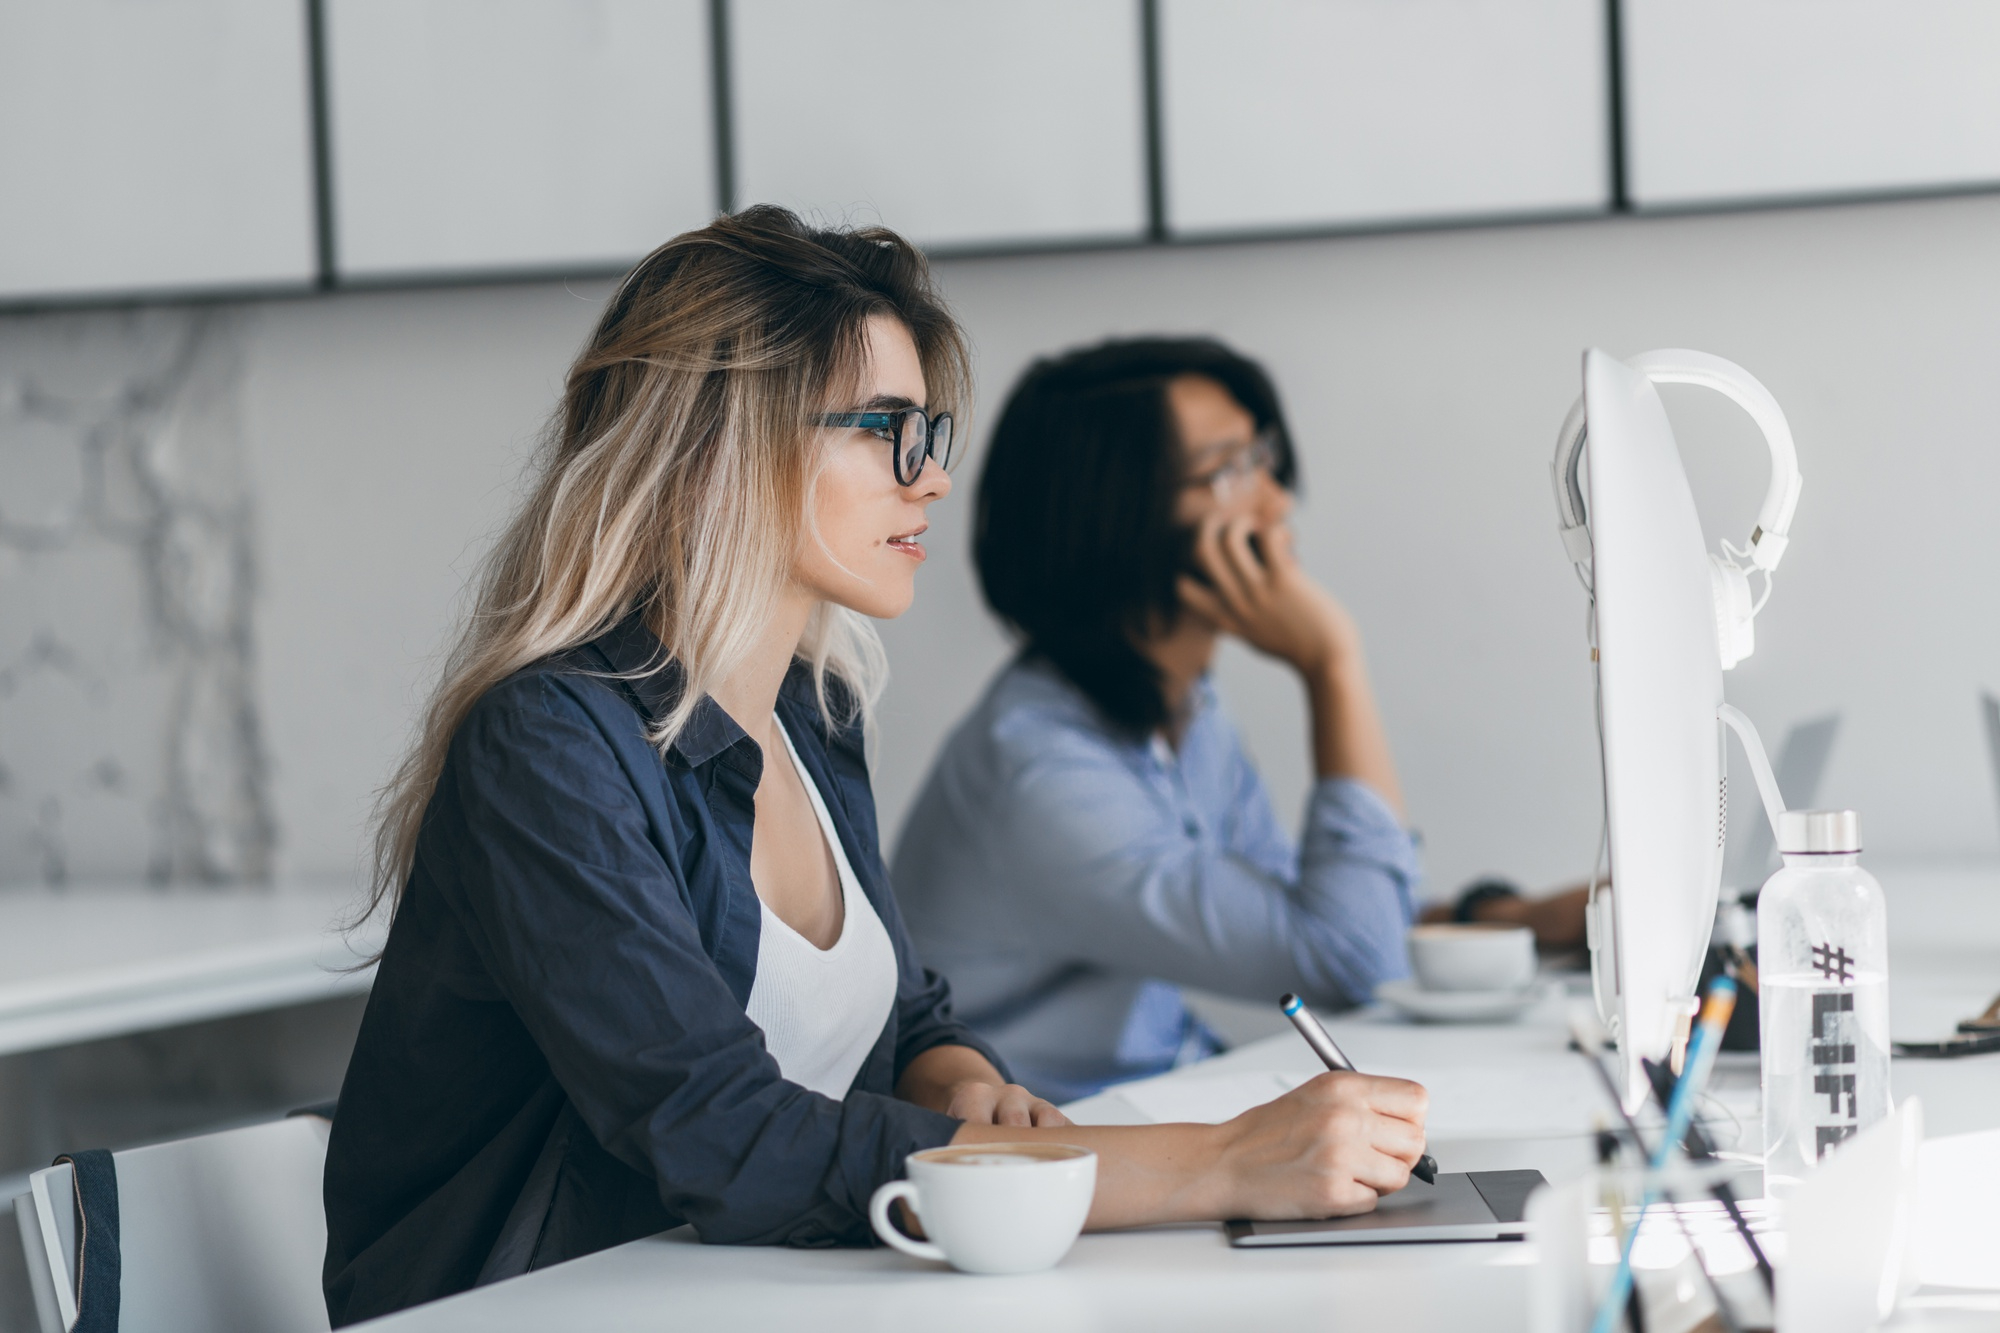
[915, 433]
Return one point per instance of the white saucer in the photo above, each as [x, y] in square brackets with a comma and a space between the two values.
[1458, 1006]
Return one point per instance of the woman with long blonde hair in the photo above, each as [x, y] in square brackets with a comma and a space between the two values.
[643, 966]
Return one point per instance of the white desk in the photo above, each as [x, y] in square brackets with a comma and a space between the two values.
[1140, 1280]
[1946, 965]
[90, 962]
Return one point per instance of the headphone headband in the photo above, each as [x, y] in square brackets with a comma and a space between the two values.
[1679, 365]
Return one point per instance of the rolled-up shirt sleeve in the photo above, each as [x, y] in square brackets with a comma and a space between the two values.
[588, 932]
[924, 1019]
[1112, 874]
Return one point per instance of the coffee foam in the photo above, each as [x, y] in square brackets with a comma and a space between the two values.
[1001, 1154]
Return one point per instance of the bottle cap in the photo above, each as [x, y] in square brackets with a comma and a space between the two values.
[1802, 832]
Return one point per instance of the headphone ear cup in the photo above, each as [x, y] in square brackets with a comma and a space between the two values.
[1735, 611]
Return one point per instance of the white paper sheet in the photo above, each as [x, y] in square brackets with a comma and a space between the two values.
[1207, 1099]
[1957, 1231]
[1481, 1102]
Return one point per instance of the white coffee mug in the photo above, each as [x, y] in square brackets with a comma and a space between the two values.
[1473, 956]
[992, 1207]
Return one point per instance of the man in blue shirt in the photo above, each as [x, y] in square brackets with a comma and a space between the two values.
[1092, 836]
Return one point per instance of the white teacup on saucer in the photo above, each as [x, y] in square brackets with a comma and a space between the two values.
[1467, 972]
[1458, 1006]
[1473, 956]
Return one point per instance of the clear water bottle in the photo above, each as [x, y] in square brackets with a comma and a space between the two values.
[1823, 992]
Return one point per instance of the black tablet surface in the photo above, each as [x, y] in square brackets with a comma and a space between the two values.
[1466, 1205]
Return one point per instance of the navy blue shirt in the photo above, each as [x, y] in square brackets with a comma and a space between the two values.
[555, 1057]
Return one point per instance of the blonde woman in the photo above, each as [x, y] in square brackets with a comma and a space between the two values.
[643, 967]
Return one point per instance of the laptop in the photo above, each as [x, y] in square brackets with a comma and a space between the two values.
[1463, 1205]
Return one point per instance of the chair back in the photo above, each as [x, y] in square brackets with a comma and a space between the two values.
[224, 1233]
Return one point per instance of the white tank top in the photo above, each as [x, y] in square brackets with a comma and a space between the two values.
[822, 1010]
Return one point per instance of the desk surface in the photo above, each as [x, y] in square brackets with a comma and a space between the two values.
[97, 961]
[1165, 1278]
[1945, 965]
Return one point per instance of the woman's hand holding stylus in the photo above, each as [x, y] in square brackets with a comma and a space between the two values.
[1329, 1147]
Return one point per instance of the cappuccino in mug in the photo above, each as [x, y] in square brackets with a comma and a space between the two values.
[992, 1207]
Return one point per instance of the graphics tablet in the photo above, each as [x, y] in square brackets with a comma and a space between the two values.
[1465, 1205]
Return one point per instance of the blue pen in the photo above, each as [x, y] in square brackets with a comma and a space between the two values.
[1331, 1055]
[1706, 1041]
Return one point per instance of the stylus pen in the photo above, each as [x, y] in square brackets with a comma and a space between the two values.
[1316, 1037]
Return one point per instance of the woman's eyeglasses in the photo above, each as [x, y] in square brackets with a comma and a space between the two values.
[914, 433]
[1229, 477]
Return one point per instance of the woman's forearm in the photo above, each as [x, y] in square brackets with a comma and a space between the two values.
[1328, 1147]
[1348, 739]
[933, 1077]
[1145, 1173]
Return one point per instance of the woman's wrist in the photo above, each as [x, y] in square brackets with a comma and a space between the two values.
[933, 1078]
[1182, 1173]
[1218, 1189]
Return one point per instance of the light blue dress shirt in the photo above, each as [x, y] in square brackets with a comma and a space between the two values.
[1069, 880]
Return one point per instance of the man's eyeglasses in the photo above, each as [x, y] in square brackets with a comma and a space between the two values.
[1227, 478]
[914, 433]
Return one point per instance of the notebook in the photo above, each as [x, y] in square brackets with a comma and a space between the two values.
[1463, 1205]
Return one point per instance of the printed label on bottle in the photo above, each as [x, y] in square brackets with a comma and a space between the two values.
[1830, 1045]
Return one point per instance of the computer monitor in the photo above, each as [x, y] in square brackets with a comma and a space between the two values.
[1659, 686]
[1667, 618]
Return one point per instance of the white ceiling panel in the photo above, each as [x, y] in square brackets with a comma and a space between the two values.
[154, 147]
[1744, 100]
[1301, 114]
[473, 136]
[966, 124]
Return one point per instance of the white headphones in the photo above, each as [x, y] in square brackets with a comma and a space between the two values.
[1729, 578]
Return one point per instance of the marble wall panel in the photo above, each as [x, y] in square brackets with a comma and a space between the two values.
[129, 735]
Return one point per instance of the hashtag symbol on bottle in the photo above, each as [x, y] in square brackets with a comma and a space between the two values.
[1833, 963]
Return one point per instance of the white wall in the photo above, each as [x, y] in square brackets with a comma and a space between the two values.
[388, 430]
[1425, 373]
